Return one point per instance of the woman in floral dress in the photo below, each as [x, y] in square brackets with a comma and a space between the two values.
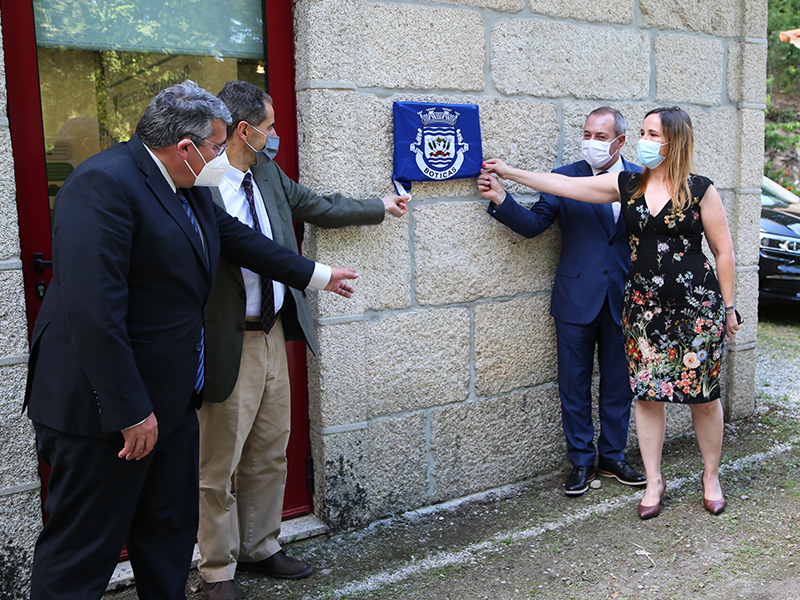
[677, 313]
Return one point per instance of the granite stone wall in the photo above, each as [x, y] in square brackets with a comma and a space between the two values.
[438, 378]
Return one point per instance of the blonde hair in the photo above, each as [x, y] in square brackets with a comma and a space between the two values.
[677, 130]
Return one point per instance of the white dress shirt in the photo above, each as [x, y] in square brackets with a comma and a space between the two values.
[235, 200]
[615, 168]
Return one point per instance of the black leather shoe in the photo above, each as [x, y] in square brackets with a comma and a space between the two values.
[279, 565]
[220, 590]
[623, 472]
[578, 481]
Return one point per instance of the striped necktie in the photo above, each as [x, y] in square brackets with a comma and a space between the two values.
[201, 375]
[267, 289]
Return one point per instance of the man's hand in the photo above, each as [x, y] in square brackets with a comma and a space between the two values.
[396, 205]
[140, 439]
[337, 283]
[491, 188]
[498, 167]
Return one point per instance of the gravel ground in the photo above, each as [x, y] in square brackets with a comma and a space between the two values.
[531, 542]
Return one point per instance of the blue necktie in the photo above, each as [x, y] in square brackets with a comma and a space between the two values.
[267, 290]
[201, 375]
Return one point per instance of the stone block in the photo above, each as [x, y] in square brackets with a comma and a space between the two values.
[354, 157]
[751, 132]
[380, 253]
[496, 441]
[524, 133]
[9, 227]
[717, 145]
[717, 17]
[337, 390]
[574, 115]
[20, 523]
[597, 11]
[341, 475]
[754, 21]
[417, 360]
[398, 464]
[746, 300]
[682, 77]
[18, 463]
[738, 384]
[544, 58]
[744, 224]
[746, 73]
[13, 321]
[389, 45]
[502, 5]
[462, 254]
[515, 345]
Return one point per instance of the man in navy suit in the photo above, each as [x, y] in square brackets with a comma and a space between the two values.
[117, 353]
[586, 303]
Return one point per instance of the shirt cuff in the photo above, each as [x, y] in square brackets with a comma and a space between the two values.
[137, 424]
[321, 277]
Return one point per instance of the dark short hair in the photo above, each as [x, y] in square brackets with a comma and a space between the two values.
[619, 120]
[180, 110]
[245, 101]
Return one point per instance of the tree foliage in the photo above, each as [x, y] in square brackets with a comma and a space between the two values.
[783, 60]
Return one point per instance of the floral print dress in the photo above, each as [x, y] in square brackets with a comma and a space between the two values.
[673, 317]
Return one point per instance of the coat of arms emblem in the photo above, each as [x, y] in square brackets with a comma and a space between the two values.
[434, 142]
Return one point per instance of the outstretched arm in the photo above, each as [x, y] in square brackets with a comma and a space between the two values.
[602, 189]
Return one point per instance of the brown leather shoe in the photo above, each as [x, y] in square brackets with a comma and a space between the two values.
[220, 590]
[713, 506]
[648, 512]
[279, 565]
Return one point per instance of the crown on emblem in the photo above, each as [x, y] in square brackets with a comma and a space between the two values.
[443, 117]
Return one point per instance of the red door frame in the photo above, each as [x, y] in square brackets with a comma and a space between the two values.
[279, 20]
[27, 139]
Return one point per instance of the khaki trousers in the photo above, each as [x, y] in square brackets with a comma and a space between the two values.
[245, 437]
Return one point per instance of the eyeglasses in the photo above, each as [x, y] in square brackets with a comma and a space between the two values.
[220, 149]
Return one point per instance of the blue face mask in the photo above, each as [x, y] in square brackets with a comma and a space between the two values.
[270, 149]
[649, 153]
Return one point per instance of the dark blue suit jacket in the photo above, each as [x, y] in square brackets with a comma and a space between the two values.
[119, 329]
[594, 258]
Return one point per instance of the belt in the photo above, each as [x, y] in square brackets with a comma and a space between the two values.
[256, 325]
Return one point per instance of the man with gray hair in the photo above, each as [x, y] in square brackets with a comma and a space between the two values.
[117, 353]
[586, 303]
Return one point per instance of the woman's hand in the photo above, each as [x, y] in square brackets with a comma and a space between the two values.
[498, 167]
[731, 325]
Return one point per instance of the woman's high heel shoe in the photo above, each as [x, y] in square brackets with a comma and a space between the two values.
[648, 512]
[713, 506]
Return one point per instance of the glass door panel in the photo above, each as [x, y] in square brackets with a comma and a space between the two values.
[100, 64]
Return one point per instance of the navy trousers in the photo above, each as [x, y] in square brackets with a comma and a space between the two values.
[97, 502]
[576, 344]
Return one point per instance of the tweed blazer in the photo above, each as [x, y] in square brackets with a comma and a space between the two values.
[285, 201]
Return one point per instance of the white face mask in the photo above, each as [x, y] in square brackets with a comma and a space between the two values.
[597, 153]
[270, 148]
[212, 172]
